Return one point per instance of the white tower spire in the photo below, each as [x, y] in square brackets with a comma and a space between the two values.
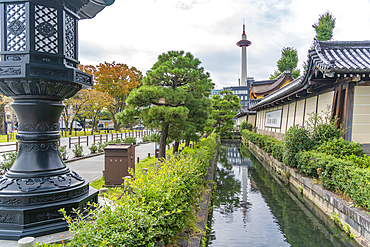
[244, 43]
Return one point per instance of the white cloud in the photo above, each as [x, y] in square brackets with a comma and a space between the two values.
[136, 32]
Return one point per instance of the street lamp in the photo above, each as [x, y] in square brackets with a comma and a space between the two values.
[39, 69]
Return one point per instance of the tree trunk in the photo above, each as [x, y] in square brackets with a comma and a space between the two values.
[162, 142]
[187, 142]
[176, 147]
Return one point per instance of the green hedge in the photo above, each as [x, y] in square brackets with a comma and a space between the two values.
[337, 175]
[265, 142]
[349, 175]
[162, 204]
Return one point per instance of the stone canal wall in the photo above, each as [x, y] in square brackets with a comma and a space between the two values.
[356, 220]
[205, 201]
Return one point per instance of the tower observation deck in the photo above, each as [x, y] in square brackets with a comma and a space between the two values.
[244, 43]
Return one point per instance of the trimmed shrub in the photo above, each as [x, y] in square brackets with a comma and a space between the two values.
[354, 182]
[278, 150]
[130, 139]
[246, 125]
[325, 132]
[319, 165]
[360, 161]
[296, 139]
[162, 203]
[340, 148]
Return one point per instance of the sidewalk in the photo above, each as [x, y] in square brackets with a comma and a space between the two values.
[92, 168]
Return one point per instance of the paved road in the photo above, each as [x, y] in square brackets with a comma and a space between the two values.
[91, 168]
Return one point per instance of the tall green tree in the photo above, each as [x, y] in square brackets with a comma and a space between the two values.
[324, 27]
[162, 102]
[225, 106]
[288, 61]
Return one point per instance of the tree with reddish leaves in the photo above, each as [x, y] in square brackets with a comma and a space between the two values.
[117, 80]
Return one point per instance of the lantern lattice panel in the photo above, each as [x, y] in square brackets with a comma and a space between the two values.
[46, 29]
[70, 30]
[16, 27]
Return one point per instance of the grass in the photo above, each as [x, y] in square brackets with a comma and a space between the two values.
[145, 163]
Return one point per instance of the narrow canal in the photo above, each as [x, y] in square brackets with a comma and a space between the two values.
[252, 209]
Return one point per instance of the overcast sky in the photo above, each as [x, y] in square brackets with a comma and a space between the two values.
[135, 32]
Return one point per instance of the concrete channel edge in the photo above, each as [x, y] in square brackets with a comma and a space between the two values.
[357, 220]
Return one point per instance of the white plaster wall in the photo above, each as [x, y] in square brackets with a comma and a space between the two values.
[361, 115]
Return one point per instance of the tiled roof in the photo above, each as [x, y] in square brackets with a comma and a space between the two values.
[264, 82]
[289, 88]
[331, 58]
[341, 56]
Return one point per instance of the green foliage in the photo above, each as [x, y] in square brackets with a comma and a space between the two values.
[267, 143]
[8, 160]
[324, 27]
[296, 139]
[63, 152]
[360, 161]
[129, 139]
[322, 127]
[225, 106]
[341, 148]
[354, 182]
[288, 61]
[101, 147]
[77, 150]
[173, 98]
[278, 150]
[93, 149]
[246, 125]
[161, 205]
[146, 138]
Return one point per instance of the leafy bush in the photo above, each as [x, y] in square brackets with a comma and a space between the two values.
[360, 161]
[93, 148]
[130, 139]
[246, 125]
[163, 204]
[325, 132]
[77, 150]
[322, 166]
[354, 182]
[278, 150]
[296, 139]
[341, 148]
[8, 160]
[146, 138]
[322, 127]
[101, 147]
[63, 152]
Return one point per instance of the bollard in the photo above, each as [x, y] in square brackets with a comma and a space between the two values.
[26, 242]
[137, 160]
[148, 155]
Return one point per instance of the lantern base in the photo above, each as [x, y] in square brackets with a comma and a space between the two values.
[17, 222]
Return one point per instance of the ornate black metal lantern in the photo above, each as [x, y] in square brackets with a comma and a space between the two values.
[38, 69]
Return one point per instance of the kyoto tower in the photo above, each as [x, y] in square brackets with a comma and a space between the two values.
[244, 43]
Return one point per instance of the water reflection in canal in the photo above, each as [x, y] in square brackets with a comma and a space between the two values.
[252, 209]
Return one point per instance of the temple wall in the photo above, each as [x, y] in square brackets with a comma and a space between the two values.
[361, 115]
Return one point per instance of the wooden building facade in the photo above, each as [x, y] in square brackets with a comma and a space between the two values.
[337, 78]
